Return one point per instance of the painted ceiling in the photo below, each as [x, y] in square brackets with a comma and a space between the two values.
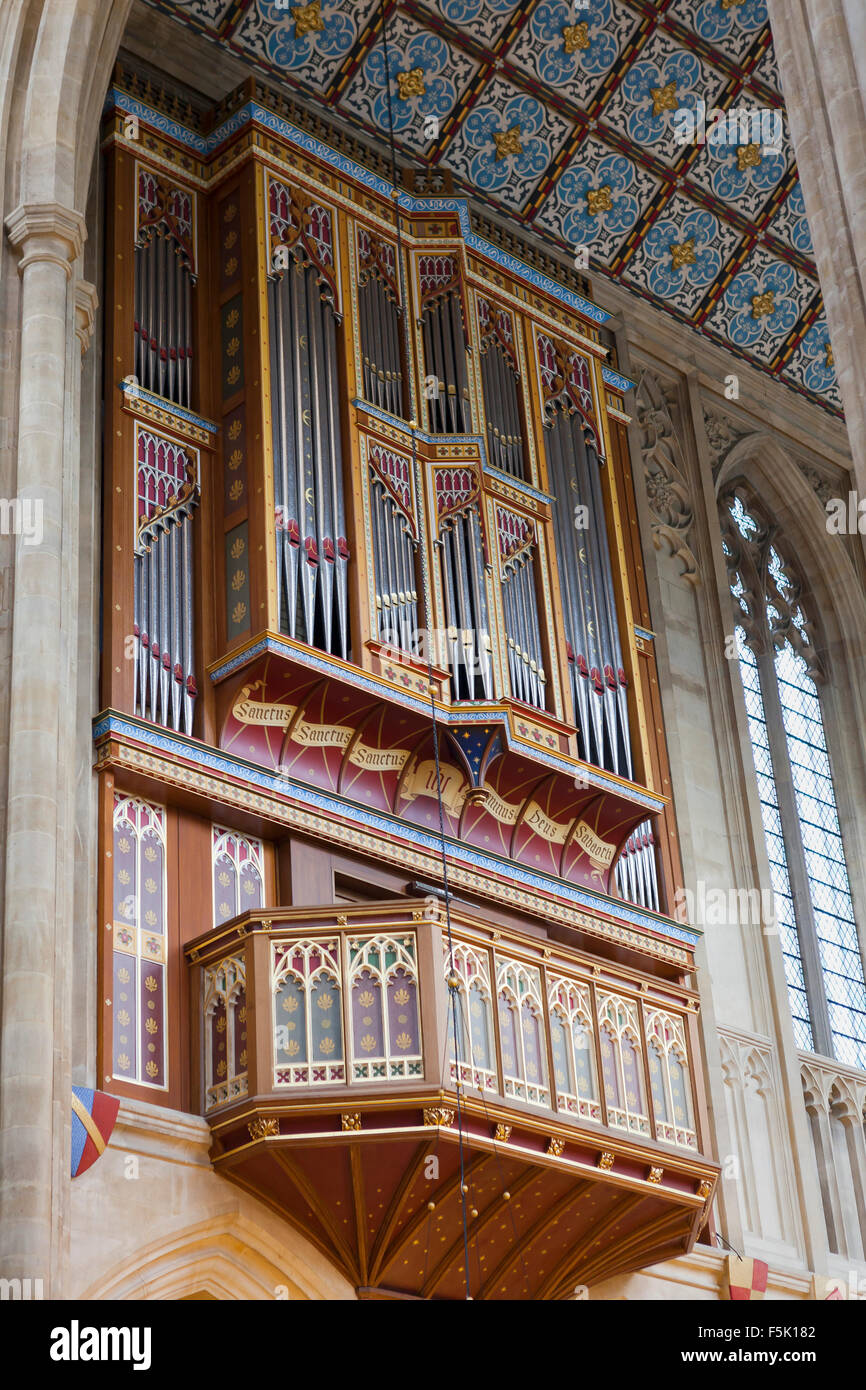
[561, 114]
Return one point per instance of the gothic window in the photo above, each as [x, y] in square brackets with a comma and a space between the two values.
[782, 676]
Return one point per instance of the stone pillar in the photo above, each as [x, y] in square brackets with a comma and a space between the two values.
[37, 940]
[820, 48]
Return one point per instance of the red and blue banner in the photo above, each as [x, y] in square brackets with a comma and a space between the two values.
[93, 1118]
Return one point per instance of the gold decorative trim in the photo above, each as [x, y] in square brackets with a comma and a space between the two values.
[555, 1147]
[502, 1134]
[605, 1161]
[263, 1129]
[655, 1174]
[146, 410]
[350, 1121]
[704, 1189]
[439, 1115]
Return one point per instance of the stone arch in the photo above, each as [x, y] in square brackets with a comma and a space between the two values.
[830, 576]
[834, 599]
[226, 1257]
[60, 54]
[814, 1097]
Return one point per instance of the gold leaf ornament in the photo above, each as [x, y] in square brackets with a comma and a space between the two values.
[308, 19]
[576, 37]
[507, 142]
[410, 84]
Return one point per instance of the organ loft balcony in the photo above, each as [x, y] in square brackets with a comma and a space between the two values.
[402, 1088]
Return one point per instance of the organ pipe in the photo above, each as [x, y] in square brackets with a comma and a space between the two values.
[587, 589]
[516, 538]
[500, 381]
[394, 546]
[381, 324]
[636, 869]
[313, 553]
[164, 277]
[468, 632]
[164, 598]
[446, 384]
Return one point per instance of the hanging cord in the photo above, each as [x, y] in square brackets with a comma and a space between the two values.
[408, 387]
[725, 1242]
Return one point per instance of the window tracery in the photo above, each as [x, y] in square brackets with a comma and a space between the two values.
[782, 673]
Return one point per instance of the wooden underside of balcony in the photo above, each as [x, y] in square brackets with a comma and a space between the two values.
[548, 1207]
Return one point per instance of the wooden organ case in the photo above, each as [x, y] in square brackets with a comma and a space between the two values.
[366, 469]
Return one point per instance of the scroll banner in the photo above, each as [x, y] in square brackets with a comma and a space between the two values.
[94, 1115]
[747, 1279]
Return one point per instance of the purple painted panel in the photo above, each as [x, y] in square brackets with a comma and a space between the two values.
[368, 1035]
[403, 1014]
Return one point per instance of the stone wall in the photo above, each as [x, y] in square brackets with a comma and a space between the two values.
[178, 1231]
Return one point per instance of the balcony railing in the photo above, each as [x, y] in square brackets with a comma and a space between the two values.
[301, 1003]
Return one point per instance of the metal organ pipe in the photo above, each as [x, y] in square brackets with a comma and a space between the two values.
[381, 340]
[445, 359]
[636, 869]
[165, 687]
[308, 459]
[520, 605]
[463, 583]
[394, 563]
[501, 405]
[587, 592]
[163, 317]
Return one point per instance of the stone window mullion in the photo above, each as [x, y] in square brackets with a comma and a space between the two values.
[796, 859]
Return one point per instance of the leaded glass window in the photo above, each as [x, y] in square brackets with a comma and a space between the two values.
[781, 675]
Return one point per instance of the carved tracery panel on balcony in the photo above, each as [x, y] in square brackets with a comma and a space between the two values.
[622, 1064]
[308, 1017]
[572, 1037]
[139, 942]
[385, 1024]
[521, 1027]
[237, 864]
[225, 1014]
[470, 1016]
[669, 1079]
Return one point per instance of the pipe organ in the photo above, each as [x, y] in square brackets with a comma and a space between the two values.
[520, 605]
[307, 443]
[501, 387]
[394, 547]
[443, 322]
[381, 323]
[463, 565]
[373, 598]
[164, 279]
[587, 588]
[421, 459]
[164, 591]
